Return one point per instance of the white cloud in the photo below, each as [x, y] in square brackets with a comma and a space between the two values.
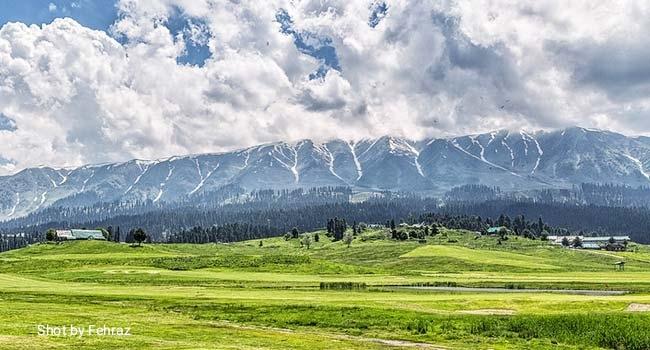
[427, 69]
[51, 7]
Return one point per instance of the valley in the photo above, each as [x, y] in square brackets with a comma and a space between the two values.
[275, 293]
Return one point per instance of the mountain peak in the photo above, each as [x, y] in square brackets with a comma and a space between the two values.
[512, 160]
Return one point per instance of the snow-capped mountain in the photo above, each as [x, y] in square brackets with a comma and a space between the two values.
[511, 160]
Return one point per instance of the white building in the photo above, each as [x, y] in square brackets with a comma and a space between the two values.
[598, 242]
[75, 234]
[64, 234]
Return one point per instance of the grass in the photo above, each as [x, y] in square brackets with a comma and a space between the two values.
[279, 295]
[483, 257]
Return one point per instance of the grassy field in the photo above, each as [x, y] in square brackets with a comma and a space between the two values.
[283, 296]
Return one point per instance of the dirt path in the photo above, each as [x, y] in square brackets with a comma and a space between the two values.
[634, 307]
[388, 342]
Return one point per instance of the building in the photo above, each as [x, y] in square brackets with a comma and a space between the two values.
[493, 231]
[589, 245]
[64, 235]
[76, 234]
[599, 242]
[606, 239]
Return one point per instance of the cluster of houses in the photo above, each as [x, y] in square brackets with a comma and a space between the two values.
[77, 234]
[616, 243]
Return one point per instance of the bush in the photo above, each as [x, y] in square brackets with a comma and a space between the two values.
[343, 285]
[435, 284]
[419, 326]
[373, 236]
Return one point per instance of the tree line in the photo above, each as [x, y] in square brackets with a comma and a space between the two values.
[258, 218]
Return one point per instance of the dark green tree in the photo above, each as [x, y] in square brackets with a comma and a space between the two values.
[565, 242]
[577, 242]
[50, 235]
[139, 236]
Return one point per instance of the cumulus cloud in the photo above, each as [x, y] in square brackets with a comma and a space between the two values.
[188, 76]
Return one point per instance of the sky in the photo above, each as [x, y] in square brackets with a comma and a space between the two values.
[86, 81]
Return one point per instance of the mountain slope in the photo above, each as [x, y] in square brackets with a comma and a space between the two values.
[508, 159]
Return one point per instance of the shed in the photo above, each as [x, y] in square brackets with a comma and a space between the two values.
[87, 234]
[495, 230]
[590, 245]
[64, 234]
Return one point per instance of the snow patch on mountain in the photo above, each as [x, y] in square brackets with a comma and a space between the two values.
[162, 184]
[639, 165]
[13, 209]
[203, 179]
[455, 144]
[512, 153]
[357, 164]
[540, 152]
[144, 169]
[330, 164]
[64, 178]
[92, 174]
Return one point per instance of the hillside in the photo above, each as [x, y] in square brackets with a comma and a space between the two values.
[515, 161]
[276, 294]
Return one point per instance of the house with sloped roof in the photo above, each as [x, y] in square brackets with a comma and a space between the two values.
[64, 235]
[78, 234]
[493, 231]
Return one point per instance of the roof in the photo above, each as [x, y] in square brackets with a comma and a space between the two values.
[64, 233]
[600, 239]
[87, 234]
[494, 229]
[605, 238]
[590, 246]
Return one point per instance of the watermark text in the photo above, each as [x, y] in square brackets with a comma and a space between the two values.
[80, 331]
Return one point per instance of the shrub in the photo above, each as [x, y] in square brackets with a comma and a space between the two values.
[343, 285]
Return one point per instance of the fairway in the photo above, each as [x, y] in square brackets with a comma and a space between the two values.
[485, 257]
[278, 295]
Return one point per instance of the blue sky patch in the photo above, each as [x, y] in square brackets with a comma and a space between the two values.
[377, 13]
[196, 35]
[97, 15]
[5, 161]
[7, 123]
[310, 44]
[100, 15]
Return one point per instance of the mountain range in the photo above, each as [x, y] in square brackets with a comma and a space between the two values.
[512, 160]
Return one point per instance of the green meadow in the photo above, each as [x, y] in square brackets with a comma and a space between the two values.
[375, 294]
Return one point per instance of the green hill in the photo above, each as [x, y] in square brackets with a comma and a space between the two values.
[376, 293]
